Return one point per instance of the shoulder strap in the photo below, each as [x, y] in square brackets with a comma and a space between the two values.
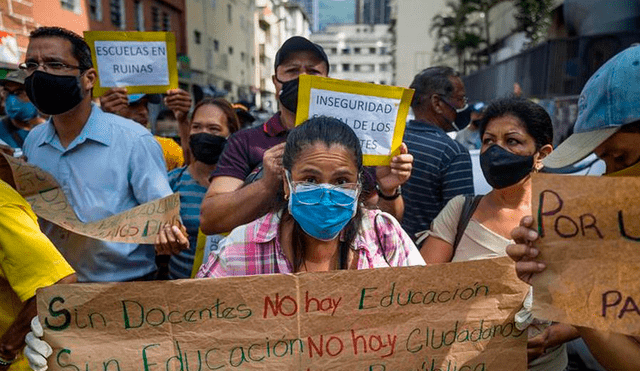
[469, 207]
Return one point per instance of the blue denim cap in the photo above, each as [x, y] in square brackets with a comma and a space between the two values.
[609, 100]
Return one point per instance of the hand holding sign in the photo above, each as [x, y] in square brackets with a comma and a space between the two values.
[389, 178]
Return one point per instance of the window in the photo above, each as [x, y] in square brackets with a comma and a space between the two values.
[345, 67]
[356, 50]
[346, 51]
[155, 17]
[372, 50]
[117, 13]
[166, 22]
[95, 9]
[68, 5]
[197, 36]
[139, 15]
[333, 67]
[231, 50]
[382, 82]
[383, 50]
[383, 67]
[229, 13]
[216, 45]
[334, 50]
[356, 67]
[242, 56]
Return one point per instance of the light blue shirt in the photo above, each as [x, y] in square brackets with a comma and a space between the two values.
[114, 165]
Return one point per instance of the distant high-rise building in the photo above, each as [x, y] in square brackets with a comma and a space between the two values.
[372, 11]
[311, 7]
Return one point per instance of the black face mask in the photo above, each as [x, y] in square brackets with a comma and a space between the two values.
[289, 94]
[207, 147]
[502, 168]
[463, 118]
[53, 94]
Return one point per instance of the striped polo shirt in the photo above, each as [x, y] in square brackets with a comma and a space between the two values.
[441, 171]
[191, 196]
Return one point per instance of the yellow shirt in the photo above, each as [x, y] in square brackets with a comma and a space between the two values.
[28, 260]
[172, 152]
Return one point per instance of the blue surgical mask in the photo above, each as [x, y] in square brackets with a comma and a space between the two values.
[322, 210]
[19, 110]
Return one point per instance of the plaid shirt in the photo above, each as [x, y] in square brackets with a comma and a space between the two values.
[255, 248]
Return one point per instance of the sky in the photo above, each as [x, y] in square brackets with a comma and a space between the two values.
[337, 11]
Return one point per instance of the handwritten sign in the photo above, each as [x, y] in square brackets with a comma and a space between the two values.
[456, 316]
[144, 62]
[376, 113]
[138, 225]
[590, 228]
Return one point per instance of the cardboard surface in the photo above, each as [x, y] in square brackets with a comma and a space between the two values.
[590, 228]
[138, 225]
[456, 316]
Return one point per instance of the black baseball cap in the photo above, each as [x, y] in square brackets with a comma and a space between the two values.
[298, 44]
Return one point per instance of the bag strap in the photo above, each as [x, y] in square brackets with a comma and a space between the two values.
[469, 207]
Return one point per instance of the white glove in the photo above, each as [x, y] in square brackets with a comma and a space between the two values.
[37, 350]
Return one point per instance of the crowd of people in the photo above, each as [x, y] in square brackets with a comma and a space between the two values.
[275, 198]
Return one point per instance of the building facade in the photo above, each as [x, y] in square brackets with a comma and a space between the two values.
[220, 48]
[373, 11]
[359, 52]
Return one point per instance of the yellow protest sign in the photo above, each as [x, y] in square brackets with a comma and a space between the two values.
[456, 316]
[591, 246]
[141, 224]
[376, 113]
[144, 62]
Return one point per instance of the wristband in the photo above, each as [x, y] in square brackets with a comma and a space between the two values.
[389, 198]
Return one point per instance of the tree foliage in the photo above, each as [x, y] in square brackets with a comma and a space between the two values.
[455, 33]
[533, 18]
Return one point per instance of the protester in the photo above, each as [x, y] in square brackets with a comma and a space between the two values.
[212, 121]
[516, 135]
[22, 115]
[608, 124]
[442, 166]
[469, 137]
[320, 224]
[135, 107]
[256, 153]
[28, 261]
[105, 164]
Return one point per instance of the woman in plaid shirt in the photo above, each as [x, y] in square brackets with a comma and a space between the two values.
[320, 223]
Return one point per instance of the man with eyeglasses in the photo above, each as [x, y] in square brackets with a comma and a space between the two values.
[104, 163]
[21, 116]
[442, 166]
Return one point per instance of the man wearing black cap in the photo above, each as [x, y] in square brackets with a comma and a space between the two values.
[254, 156]
[258, 151]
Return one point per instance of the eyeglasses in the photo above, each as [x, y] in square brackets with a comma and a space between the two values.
[47, 66]
[465, 100]
[344, 194]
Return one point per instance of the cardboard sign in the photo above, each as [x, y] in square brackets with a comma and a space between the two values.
[590, 228]
[456, 316]
[144, 62]
[376, 113]
[138, 225]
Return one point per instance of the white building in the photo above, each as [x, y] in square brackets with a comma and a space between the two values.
[220, 40]
[276, 21]
[358, 52]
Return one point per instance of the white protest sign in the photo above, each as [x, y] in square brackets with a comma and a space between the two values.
[144, 62]
[376, 113]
